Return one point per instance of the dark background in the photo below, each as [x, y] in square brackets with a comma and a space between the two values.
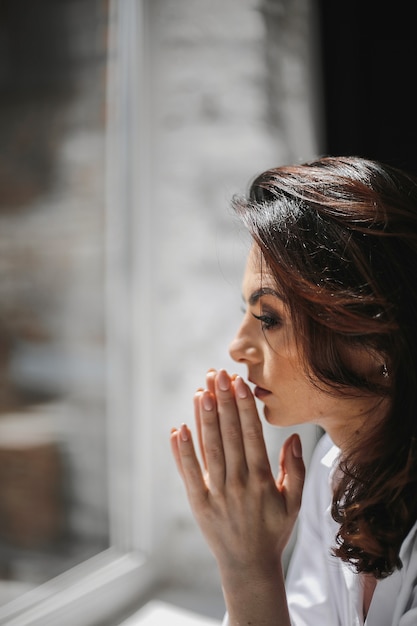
[369, 53]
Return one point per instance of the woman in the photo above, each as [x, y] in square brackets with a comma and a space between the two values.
[329, 336]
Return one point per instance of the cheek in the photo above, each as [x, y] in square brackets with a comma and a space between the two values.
[286, 368]
[283, 348]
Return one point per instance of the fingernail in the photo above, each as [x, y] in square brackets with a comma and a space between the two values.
[208, 403]
[210, 377]
[223, 380]
[184, 432]
[296, 448]
[174, 430]
[240, 387]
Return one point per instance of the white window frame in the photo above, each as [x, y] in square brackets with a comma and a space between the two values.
[96, 590]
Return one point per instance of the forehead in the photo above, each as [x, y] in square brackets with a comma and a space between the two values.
[257, 273]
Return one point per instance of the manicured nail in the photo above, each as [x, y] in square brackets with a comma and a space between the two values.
[184, 432]
[296, 447]
[223, 380]
[208, 403]
[240, 387]
[174, 430]
[210, 376]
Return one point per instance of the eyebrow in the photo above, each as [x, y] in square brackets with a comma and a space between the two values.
[263, 291]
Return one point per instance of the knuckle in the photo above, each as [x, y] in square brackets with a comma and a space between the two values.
[209, 418]
[253, 433]
[231, 432]
[226, 400]
[262, 475]
[237, 481]
[214, 451]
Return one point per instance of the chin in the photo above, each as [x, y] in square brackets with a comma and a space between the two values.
[277, 418]
[272, 418]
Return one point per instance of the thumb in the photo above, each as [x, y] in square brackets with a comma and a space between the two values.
[292, 473]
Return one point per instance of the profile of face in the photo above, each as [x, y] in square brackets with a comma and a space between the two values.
[266, 344]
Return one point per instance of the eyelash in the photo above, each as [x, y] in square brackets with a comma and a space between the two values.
[268, 321]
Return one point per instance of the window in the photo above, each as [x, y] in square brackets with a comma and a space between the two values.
[74, 515]
[120, 282]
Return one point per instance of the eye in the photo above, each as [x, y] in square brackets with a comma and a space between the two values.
[268, 321]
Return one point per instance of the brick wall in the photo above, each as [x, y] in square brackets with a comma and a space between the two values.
[226, 79]
[230, 85]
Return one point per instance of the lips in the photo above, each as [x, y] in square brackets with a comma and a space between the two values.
[260, 392]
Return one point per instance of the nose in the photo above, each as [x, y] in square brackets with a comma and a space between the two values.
[244, 347]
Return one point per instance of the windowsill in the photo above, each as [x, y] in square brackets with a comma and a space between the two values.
[179, 607]
[158, 612]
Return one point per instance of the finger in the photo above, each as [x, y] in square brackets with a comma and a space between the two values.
[234, 451]
[188, 465]
[210, 378]
[252, 433]
[292, 473]
[175, 450]
[212, 441]
[197, 417]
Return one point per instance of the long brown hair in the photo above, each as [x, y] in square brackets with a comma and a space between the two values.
[340, 236]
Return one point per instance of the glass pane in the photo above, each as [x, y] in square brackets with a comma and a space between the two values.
[53, 485]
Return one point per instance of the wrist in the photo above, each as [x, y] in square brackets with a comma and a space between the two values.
[260, 575]
[256, 596]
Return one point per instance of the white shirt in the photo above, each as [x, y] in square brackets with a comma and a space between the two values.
[324, 591]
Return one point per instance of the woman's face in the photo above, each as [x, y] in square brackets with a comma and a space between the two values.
[266, 344]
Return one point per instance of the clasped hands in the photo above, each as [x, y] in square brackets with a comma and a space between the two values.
[245, 514]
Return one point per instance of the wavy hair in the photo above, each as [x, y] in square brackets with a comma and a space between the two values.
[340, 236]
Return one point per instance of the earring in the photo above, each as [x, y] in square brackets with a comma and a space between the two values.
[384, 372]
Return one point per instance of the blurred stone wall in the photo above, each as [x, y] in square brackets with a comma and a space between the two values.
[231, 86]
[231, 94]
